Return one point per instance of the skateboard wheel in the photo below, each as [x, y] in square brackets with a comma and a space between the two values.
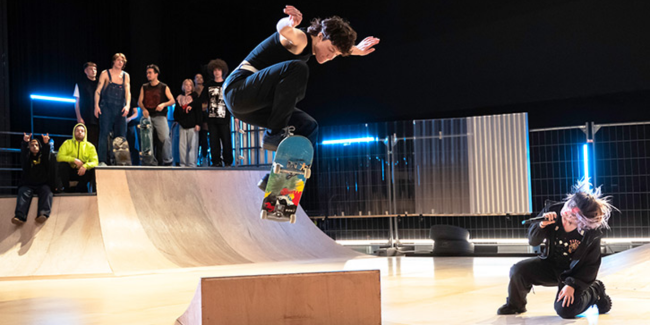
[308, 173]
[292, 218]
[276, 168]
[263, 214]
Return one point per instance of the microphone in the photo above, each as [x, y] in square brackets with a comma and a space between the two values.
[531, 220]
[547, 205]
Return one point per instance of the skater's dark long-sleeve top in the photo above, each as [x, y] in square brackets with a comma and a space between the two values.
[586, 259]
[35, 167]
[271, 52]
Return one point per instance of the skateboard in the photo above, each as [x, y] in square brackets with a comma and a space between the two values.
[121, 152]
[291, 169]
[146, 142]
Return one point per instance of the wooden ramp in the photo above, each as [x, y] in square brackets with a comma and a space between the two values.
[144, 220]
[70, 242]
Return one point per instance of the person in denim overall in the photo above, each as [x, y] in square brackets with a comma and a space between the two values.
[113, 104]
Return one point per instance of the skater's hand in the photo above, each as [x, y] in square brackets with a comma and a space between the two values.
[26, 137]
[125, 110]
[197, 128]
[295, 17]
[549, 219]
[365, 47]
[81, 171]
[160, 107]
[81, 120]
[145, 113]
[98, 112]
[46, 138]
[567, 294]
[78, 163]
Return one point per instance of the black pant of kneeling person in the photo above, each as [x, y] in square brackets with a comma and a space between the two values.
[570, 259]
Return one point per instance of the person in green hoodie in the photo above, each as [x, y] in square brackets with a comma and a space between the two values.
[78, 159]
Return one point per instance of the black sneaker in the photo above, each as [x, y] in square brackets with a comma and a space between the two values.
[262, 183]
[604, 302]
[17, 221]
[508, 309]
[271, 142]
[41, 218]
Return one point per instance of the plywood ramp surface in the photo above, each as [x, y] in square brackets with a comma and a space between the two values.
[164, 218]
[70, 242]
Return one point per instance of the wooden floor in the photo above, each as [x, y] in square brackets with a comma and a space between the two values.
[131, 261]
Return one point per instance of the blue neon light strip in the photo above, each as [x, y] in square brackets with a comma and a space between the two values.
[349, 141]
[585, 159]
[53, 99]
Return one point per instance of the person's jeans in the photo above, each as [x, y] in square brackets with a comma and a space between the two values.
[187, 146]
[161, 129]
[24, 200]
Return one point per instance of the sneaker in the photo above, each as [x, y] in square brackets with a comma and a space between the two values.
[508, 309]
[271, 142]
[17, 221]
[604, 302]
[262, 183]
[41, 218]
[101, 164]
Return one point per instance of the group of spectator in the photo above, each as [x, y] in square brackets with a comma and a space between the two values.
[45, 171]
[103, 109]
[199, 111]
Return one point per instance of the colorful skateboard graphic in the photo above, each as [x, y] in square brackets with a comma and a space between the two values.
[146, 142]
[291, 169]
[121, 151]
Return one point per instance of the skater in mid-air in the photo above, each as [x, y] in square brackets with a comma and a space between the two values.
[264, 89]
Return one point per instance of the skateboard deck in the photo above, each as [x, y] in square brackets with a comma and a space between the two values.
[289, 173]
[121, 151]
[146, 142]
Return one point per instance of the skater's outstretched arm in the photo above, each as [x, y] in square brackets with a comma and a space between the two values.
[286, 27]
[365, 47]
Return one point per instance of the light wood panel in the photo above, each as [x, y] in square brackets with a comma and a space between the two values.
[69, 242]
[321, 298]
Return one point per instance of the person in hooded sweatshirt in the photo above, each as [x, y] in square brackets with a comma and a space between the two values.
[36, 178]
[78, 159]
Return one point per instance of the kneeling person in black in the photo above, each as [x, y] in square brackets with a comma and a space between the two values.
[571, 257]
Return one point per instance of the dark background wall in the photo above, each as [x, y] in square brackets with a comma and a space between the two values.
[4, 70]
[562, 61]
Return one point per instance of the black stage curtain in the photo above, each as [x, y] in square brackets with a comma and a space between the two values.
[436, 58]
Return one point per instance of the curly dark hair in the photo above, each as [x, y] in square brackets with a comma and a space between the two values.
[337, 30]
[218, 64]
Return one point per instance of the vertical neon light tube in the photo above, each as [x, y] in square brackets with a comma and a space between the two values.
[585, 159]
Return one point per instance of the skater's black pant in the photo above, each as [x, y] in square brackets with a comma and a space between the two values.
[268, 98]
[68, 174]
[24, 199]
[220, 137]
[536, 271]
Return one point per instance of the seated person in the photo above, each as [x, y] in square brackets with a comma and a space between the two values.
[78, 159]
[35, 158]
